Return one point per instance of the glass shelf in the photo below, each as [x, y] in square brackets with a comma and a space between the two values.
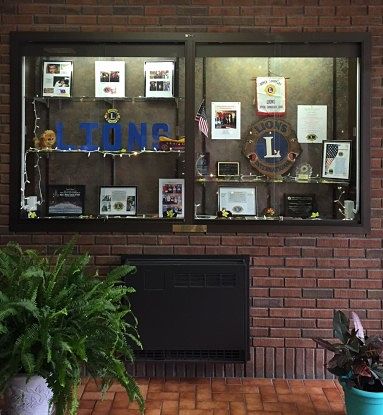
[107, 99]
[263, 179]
[104, 153]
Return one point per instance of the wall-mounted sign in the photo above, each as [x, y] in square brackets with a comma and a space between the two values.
[271, 146]
[136, 136]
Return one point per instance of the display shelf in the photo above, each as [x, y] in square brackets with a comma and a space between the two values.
[103, 99]
[104, 153]
[263, 179]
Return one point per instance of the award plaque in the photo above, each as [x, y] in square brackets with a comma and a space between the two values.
[227, 168]
[299, 206]
[202, 164]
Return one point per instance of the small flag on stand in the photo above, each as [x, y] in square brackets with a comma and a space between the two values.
[201, 117]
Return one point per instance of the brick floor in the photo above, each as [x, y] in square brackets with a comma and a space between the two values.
[230, 396]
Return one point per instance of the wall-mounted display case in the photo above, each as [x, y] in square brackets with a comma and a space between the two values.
[190, 132]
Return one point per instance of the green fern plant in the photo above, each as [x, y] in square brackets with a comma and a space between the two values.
[55, 320]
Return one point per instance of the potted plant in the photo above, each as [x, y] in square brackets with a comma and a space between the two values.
[55, 322]
[358, 363]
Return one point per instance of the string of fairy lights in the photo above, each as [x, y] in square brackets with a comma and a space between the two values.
[43, 152]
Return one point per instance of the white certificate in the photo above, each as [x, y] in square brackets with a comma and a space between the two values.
[312, 123]
[226, 120]
[238, 200]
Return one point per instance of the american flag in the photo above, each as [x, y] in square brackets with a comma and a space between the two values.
[331, 153]
[201, 117]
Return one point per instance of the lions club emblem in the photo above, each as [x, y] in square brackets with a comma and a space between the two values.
[271, 146]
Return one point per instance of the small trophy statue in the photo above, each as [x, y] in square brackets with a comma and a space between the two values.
[303, 172]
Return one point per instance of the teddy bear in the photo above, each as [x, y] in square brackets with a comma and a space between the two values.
[46, 140]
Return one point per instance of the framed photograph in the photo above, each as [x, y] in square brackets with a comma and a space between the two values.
[171, 198]
[240, 201]
[226, 120]
[159, 79]
[227, 168]
[118, 200]
[57, 78]
[65, 200]
[336, 160]
[109, 79]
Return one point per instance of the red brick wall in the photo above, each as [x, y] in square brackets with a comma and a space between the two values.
[296, 281]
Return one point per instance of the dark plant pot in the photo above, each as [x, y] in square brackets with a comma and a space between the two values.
[359, 402]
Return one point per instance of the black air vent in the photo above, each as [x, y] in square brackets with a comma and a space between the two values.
[191, 307]
[184, 355]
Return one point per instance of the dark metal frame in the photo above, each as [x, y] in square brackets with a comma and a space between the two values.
[191, 46]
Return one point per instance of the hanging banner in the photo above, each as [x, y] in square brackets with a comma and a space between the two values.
[271, 95]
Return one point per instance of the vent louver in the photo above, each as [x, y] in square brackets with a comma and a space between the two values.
[172, 355]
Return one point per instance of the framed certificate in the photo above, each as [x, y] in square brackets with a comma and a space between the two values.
[240, 201]
[57, 78]
[336, 160]
[159, 79]
[311, 123]
[118, 200]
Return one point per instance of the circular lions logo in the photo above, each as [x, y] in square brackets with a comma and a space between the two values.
[271, 146]
[270, 90]
[112, 116]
